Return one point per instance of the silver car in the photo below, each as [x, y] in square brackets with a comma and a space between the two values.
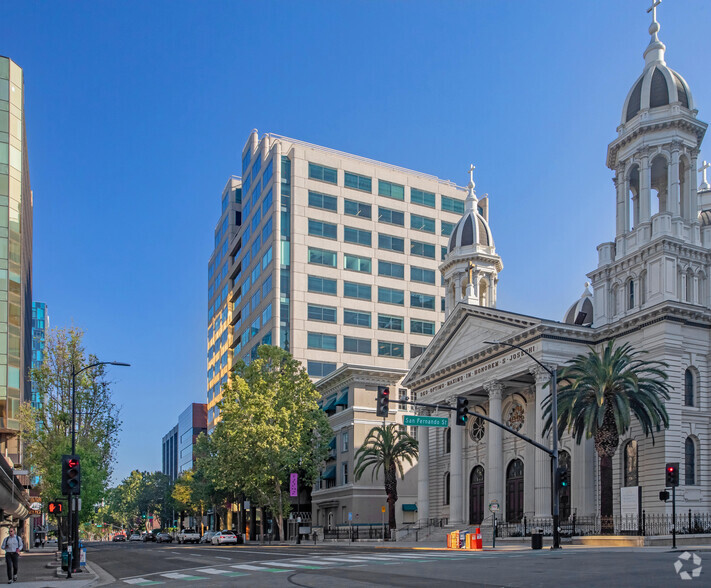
[224, 538]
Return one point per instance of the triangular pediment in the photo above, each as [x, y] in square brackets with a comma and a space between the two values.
[465, 333]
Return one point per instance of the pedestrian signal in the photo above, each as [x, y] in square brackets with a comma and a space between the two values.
[55, 508]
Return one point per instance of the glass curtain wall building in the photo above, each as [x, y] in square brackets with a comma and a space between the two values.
[40, 329]
[334, 257]
[170, 453]
[191, 422]
[15, 258]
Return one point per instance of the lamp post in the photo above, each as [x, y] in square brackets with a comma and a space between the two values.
[554, 452]
[73, 520]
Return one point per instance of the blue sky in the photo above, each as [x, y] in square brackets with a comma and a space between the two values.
[137, 113]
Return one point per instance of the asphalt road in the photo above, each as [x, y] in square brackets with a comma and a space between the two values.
[333, 566]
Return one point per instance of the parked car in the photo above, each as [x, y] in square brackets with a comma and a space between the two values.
[224, 538]
[135, 537]
[148, 537]
[207, 537]
[164, 538]
[118, 537]
[188, 536]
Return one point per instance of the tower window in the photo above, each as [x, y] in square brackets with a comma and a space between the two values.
[630, 295]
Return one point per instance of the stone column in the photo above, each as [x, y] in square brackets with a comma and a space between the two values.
[423, 479]
[674, 200]
[494, 476]
[456, 458]
[645, 192]
[543, 460]
[622, 204]
[693, 187]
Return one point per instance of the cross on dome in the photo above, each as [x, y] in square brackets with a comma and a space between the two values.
[653, 10]
[471, 175]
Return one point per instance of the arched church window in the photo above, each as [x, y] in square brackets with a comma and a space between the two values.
[448, 440]
[631, 468]
[482, 293]
[659, 184]
[633, 186]
[689, 462]
[445, 489]
[689, 286]
[516, 417]
[689, 387]
[630, 295]
[514, 491]
[613, 301]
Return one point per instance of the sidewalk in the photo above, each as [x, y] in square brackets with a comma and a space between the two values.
[34, 573]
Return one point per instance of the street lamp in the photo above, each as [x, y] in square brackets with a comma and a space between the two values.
[554, 453]
[74, 520]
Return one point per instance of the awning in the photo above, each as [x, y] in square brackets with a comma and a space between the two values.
[332, 444]
[343, 398]
[330, 404]
[409, 508]
[329, 474]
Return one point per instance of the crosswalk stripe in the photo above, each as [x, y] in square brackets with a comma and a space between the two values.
[142, 582]
[281, 564]
[311, 562]
[352, 559]
[179, 576]
[256, 568]
[216, 572]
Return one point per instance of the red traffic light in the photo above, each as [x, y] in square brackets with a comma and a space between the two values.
[72, 463]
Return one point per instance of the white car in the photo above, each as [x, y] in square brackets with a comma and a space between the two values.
[135, 537]
[224, 538]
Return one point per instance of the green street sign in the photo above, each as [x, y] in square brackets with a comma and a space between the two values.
[426, 421]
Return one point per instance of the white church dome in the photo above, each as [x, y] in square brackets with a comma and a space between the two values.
[472, 228]
[581, 312]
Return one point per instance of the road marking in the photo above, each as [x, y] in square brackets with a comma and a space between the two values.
[353, 559]
[221, 557]
[258, 569]
[290, 565]
[312, 562]
[142, 582]
[177, 576]
[215, 571]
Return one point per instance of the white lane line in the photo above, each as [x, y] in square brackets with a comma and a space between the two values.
[310, 562]
[347, 559]
[220, 557]
[256, 568]
[286, 565]
[141, 581]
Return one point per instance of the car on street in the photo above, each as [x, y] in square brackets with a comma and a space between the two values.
[207, 537]
[188, 536]
[224, 538]
[119, 537]
[148, 537]
[164, 538]
[135, 537]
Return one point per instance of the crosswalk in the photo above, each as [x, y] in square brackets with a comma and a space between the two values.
[307, 562]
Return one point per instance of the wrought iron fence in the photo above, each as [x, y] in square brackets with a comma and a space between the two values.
[356, 532]
[649, 525]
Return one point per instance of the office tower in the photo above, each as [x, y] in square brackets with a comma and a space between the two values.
[40, 330]
[332, 256]
[15, 258]
[191, 422]
[170, 453]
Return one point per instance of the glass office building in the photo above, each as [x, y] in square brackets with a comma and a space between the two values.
[191, 422]
[40, 331]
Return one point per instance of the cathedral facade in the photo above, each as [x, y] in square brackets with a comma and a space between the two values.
[652, 289]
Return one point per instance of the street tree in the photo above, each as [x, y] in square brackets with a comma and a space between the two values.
[598, 393]
[386, 448]
[271, 426]
[46, 428]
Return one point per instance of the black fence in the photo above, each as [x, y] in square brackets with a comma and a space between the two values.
[649, 525]
[356, 532]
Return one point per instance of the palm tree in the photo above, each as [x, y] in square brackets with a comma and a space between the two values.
[597, 395]
[386, 448]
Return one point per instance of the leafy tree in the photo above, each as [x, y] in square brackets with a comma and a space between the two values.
[597, 395]
[271, 426]
[46, 430]
[386, 448]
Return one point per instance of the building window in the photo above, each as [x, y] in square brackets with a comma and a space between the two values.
[322, 257]
[392, 270]
[321, 341]
[356, 318]
[344, 474]
[447, 437]
[326, 314]
[688, 387]
[422, 197]
[356, 263]
[422, 301]
[355, 345]
[422, 223]
[422, 249]
[420, 274]
[452, 205]
[319, 369]
[323, 201]
[388, 322]
[447, 228]
[422, 327]
[445, 489]
[392, 217]
[389, 349]
[357, 236]
[391, 243]
[689, 462]
[353, 208]
[631, 473]
[344, 441]
[322, 285]
[323, 173]
[321, 229]
[355, 290]
[630, 295]
[391, 296]
[391, 190]
[357, 182]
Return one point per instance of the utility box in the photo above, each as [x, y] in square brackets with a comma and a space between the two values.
[537, 540]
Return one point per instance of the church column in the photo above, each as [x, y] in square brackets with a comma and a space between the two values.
[543, 461]
[456, 462]
[674, 183]
[423, 478]
[645, 192]
[495, 449]
[693, 187]
[622, 207]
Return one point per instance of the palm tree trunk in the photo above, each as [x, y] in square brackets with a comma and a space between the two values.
[606, 522]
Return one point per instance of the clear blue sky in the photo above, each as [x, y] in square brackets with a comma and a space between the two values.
[137, 113]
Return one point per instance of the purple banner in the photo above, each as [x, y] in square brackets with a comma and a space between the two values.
[293, 485]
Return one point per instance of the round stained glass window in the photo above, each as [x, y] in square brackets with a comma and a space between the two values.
[476, 429]
[516, 417]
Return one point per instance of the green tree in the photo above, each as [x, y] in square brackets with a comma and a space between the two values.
[386, 448]
[271, 426]
[597, 395]
[46, 430]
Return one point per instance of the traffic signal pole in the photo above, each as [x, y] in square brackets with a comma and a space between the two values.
[674, 517]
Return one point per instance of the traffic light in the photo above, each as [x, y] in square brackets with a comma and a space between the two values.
[672, 474]
[462, 408]
[71, 474]
[563, 479]
[55, 508]
[382, 407]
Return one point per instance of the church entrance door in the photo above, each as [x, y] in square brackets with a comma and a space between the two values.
[514, 491]
[476, 496]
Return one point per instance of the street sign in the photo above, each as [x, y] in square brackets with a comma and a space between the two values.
[293, 485]
[494, 506]
[246, 505]
[425, 421]
[36, 506]
[350, 517]
[382, 509]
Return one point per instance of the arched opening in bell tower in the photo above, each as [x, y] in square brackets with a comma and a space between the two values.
[633, 197]
[482, 292]
[684, 207]
[659, 185]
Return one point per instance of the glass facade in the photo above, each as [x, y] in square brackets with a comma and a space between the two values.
[191, 422]
[40, 330]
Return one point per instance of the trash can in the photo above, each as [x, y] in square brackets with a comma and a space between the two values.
[537, 539]
[65, 560]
